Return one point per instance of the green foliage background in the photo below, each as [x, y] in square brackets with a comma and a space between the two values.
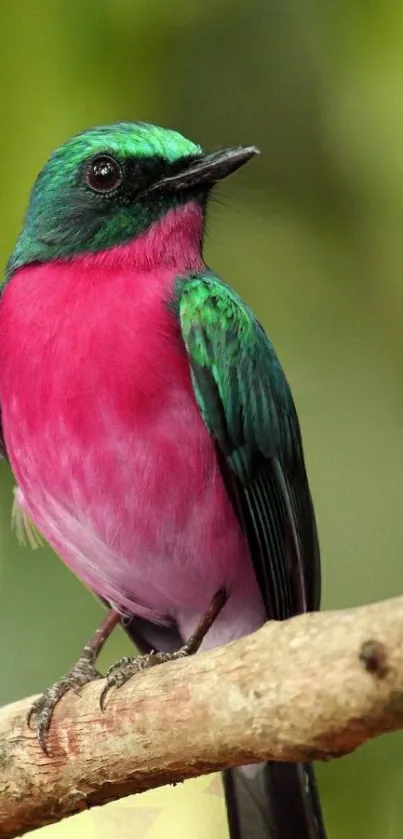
[311, 234]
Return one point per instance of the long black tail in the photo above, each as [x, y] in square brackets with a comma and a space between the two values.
[273, 801]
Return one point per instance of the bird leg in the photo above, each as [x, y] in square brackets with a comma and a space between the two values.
[82, 672]
[126, 667]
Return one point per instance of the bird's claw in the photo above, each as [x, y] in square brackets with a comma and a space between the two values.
[122, 670]
[43, 707]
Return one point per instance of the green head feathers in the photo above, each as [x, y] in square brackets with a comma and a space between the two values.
[109, 184]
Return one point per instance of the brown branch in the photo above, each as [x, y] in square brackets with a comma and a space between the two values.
[313, 687]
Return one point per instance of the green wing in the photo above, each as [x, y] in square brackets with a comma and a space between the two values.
[246, 404]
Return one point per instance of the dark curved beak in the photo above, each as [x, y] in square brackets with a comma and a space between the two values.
[206, 170]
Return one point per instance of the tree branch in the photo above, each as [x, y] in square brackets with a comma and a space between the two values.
[313, 687]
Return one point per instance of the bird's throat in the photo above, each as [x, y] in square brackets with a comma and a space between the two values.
[174, 241]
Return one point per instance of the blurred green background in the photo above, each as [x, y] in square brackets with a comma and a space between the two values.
[310, 233]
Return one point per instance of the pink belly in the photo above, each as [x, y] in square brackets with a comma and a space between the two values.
[145, 524]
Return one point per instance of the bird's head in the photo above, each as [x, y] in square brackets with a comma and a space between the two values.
[109, 185]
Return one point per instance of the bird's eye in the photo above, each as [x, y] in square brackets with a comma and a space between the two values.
[104, 174]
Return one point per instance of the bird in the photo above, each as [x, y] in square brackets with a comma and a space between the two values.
[150, 427]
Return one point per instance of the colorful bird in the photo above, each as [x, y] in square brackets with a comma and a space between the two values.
[150, 426]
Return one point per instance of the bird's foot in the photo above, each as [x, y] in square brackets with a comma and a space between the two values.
[81, 673]
[124, 668]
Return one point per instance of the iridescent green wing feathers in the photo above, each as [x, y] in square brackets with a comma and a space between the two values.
[247, 406]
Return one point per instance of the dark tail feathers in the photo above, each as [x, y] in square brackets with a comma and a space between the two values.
[273, 801]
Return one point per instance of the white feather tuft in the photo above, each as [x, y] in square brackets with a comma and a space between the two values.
[25, 529]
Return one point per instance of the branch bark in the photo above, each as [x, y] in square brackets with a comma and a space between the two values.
[311, 688]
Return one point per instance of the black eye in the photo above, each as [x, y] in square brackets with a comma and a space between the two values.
[104, 174]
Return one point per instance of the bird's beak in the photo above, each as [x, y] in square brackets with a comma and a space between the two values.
[205, 170]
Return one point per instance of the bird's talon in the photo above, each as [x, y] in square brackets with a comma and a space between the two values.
[122, 670]
[43, 707]
[104, 692]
